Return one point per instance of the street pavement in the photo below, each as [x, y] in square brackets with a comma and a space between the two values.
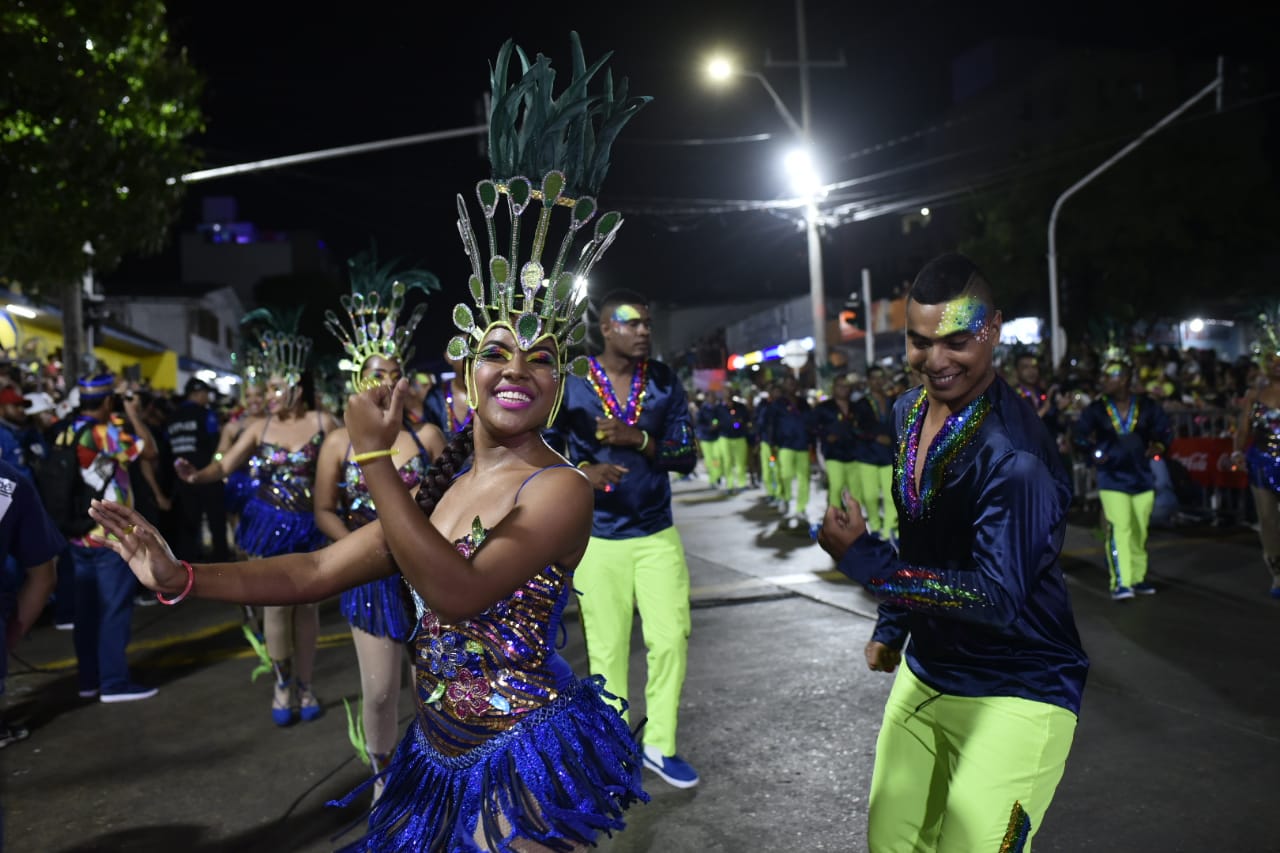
[1178, 747]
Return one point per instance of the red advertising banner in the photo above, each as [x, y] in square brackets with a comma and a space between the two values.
[1208, 461]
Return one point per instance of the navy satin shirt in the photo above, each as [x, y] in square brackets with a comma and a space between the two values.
[706, 425]
[733, 419]
[836, 432]
[977, 584]
[790, 424]
[874, 421]
[640, 505]
[1121, 456]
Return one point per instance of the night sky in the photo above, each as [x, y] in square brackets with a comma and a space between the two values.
[283, 81]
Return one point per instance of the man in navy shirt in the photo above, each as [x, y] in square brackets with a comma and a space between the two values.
[627, 427]
[29, 548]
[981, 718]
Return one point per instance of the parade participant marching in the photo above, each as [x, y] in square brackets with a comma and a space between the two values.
[706, 429]
[280, 517]
[981, 718]
[1118, 434]
[792, 441]
[377, 341]
[627, 427]
[508, 750]
[735, 422]
[1257, 445]
[873, 455]
[833, 424]
[240, 484]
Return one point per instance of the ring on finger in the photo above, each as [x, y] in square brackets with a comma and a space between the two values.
[129, 529]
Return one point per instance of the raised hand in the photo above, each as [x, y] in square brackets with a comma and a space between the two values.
[374, 417]
[842, 526]
[140, 545]
[185, 470]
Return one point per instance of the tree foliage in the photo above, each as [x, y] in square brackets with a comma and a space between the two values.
[1184, 224]
[95, 109]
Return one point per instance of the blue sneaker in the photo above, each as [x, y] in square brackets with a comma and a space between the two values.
[1144, 588]
[1121, 593]
[673, 769]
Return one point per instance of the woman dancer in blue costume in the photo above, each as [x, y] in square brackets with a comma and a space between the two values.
[1259, 432]
[381, 623]
[508, 751]
[280, 517]
[240, 484]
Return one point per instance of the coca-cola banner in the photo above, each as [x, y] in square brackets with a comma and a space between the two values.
[1208, 461]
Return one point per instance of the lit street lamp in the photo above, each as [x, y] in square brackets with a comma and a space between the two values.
[806, 183]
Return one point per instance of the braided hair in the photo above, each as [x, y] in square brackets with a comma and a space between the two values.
[444, 470]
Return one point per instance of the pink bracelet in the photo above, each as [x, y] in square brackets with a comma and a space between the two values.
[191, 580]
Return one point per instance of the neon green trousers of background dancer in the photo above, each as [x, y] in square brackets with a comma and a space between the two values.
[713, 458]
[961, 774]
[769, 471]
[648, 573]
[1127, 518]
[841, 476]
[793, 465]
[875, 493]
[733, 459]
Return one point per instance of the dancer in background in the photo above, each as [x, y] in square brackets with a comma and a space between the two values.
[280, 517]
[376, 337]
[1257, 444]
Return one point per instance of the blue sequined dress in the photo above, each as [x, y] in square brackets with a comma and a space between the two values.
[1263, 457]
[506, 742]
[280, 517]
[378, 607]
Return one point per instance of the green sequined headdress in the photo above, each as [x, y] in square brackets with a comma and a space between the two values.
[374, 326]
[563, 143]
[282, 350]
[1267, 345]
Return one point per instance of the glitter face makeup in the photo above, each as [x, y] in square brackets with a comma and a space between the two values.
[966, 314]
[624, 314]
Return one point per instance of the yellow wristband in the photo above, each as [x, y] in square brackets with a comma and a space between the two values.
[361, 458]
[644, 442]
[583, 464]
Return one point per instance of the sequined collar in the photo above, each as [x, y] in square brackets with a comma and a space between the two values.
[956, 433]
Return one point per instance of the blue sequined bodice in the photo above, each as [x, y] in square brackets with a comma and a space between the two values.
[286, 477]
[478, 678]
[1264, 422]
[355, 504]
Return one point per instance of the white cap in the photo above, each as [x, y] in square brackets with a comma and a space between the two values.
[40, 402]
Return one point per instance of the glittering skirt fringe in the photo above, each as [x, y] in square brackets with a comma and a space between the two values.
[559, 777]
[266, 531]
[240, 487]
[1264, 469]
[378, 608]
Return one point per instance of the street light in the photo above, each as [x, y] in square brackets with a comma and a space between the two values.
[805, 180]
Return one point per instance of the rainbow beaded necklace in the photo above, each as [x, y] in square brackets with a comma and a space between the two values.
[956, 433]
[1125, 424]
[599, 380]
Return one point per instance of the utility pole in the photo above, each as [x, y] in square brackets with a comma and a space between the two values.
[817, 291]
[1057, 346]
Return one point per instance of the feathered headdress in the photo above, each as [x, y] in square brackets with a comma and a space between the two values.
[374, 326]
[283, 351]
[1267, 345]
[563, 143]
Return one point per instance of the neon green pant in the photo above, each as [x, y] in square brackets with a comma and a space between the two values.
[769, 471]
[793, 466]
[1127, 517]
[733, 455]
[648, 573]
[841, 476]
[875, 493]
[950, 769]
[713, 458]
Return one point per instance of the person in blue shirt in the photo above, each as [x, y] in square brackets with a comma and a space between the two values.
[706, 428]
[833, 423]
[627, 427]
[873, 454]
[762, 421]
[981, 718]
[791, 436]
[1119, 434]
[29, 547]
[734, 423]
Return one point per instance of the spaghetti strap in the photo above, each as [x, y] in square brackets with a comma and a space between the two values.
[266, 422]
[534, 474]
